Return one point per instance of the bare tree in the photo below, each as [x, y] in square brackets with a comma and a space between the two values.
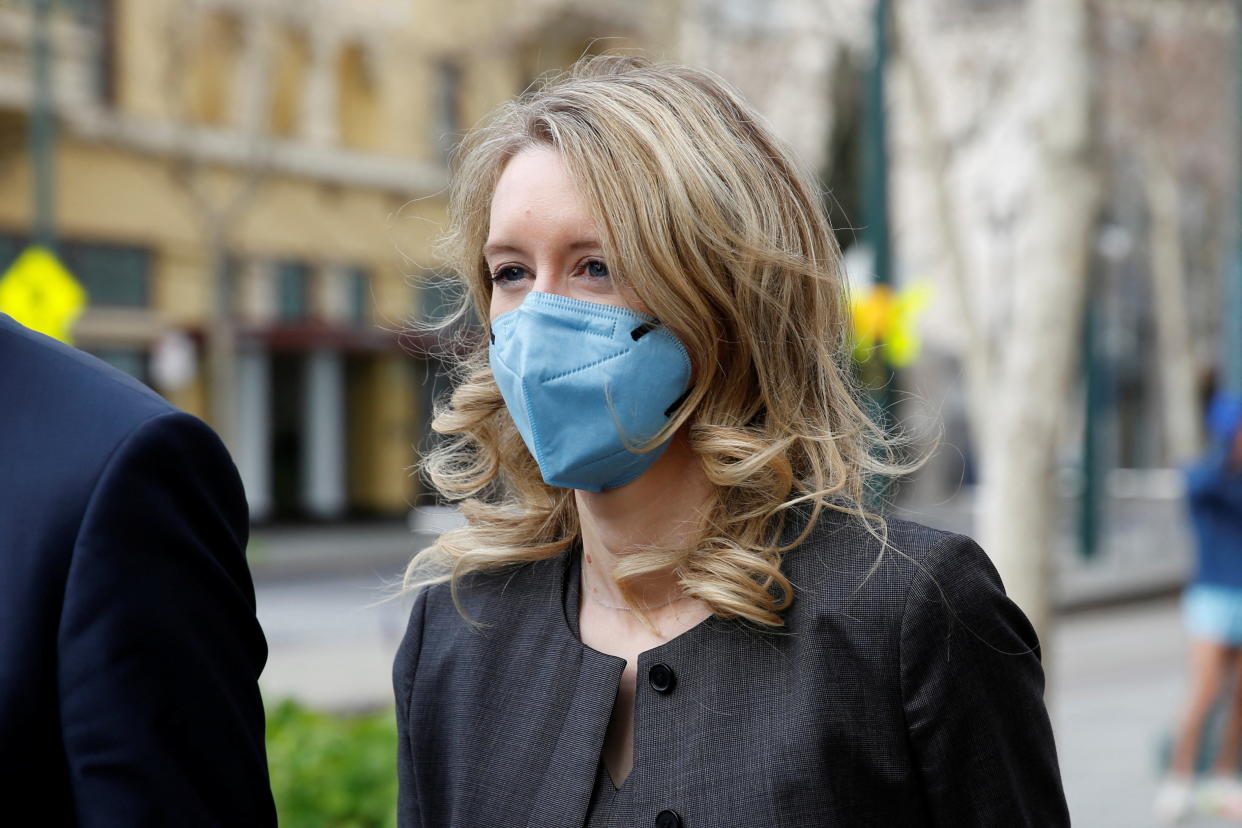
[1164, 81]
[782, 57]
[190, 38]
[1178, 371]
[1021, 328]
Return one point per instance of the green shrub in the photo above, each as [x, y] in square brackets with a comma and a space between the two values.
[332, 771]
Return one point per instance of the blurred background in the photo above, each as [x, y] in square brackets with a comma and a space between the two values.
[236, 201]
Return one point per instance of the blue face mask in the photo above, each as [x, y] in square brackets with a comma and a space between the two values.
[584, 383]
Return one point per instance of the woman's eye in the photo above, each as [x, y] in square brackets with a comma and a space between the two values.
[510, 273]
[597, 269]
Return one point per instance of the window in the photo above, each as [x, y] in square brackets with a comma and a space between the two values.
[209, 66]
[100, 17]
[447, 122]
[358, 99]
[10, 247]
[134, 361]
[290, 68]
[292, 291]
[114, 275]
[437, 297]
[358, 295]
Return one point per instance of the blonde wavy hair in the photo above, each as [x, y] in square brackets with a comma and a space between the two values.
[704, 214]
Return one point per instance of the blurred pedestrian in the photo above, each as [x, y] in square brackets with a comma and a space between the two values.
[1212, 614]
[129, 648]
[670, 604]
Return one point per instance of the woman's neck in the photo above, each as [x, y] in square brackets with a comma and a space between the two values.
[662, 508]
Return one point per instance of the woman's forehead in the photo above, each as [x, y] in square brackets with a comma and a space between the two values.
[536, 196]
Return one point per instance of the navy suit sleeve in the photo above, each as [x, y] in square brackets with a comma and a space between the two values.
[409, 814]
[973, 687]
[159, 649]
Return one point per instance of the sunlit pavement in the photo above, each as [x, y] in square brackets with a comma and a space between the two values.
[327, 602]
[330, 642]
[1116, 678]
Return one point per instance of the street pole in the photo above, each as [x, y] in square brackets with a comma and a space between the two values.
[1231, 333]
[222, 338]
[42, 127]
[877, 371]
[875, 191]
[1091, 498]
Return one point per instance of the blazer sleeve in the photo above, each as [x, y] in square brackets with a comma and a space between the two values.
[972, 689]
[159, 649]
[409, 810]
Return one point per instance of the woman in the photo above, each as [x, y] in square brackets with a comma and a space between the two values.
[1212, 611]
[669, 606]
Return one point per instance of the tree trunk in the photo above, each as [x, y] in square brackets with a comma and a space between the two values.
[221, 337]
[934, 144]
[1018, 509]
[1175, 355]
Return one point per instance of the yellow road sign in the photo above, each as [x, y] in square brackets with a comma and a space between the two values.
[41, 294]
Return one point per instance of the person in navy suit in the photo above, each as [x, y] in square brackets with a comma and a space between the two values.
[129, 648]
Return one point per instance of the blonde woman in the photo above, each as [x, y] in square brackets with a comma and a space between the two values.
[669, 605]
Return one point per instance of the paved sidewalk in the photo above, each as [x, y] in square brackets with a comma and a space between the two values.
[1117, 679]
[284, 553]
[331, 642]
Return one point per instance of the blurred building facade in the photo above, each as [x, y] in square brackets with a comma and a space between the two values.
[271, 175]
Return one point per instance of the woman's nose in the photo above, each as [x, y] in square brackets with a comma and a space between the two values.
[546, 283]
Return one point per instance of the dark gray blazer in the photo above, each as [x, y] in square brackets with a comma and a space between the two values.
[916, 700]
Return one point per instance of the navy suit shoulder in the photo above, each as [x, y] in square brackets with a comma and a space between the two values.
[32, 357]
[130, 652]
[61, 406]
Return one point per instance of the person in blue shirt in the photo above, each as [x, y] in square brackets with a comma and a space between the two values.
[1212, 613]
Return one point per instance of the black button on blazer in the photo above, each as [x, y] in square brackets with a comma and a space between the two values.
[908, 698]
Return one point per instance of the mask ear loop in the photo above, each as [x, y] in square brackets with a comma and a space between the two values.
[637, 334]
[633, 446]
[676, 404]
[630, 446]
[642, 330]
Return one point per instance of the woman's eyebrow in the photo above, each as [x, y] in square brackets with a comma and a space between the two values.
[492, 248]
